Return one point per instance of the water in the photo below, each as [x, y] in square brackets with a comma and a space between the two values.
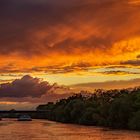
[10, 129]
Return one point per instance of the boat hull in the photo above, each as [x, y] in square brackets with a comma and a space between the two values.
[24, 119]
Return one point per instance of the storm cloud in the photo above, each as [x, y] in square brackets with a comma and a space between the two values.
[32, 27]
[97, 33]
[27, 86]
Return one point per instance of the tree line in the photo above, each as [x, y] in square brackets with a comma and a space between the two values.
[113, 108]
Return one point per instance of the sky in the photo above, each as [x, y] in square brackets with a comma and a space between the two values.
[50, 49]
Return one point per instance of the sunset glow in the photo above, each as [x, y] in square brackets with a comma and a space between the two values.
[71, 43]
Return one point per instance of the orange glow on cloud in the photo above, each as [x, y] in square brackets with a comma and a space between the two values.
[120, 51]
[92, 42]
[78, 38]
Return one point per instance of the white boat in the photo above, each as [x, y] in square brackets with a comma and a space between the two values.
[24, 118]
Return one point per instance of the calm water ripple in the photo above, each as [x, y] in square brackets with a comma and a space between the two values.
[11, 129]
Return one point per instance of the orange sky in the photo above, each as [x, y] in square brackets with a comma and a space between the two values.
[71, 42]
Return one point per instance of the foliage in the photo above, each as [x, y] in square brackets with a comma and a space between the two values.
[112, 108]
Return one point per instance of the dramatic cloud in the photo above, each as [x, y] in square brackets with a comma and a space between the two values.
[71, 31]
[26, 87]
[67, 41]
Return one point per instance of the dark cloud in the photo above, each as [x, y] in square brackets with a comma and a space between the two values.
[27, 86]
[138, 56]
[81, 66]
[131, 62]
[75, 67]
[108, 85]
[118, 72]
[22, 20]
[117, 66]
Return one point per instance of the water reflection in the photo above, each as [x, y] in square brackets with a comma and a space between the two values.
[10, 129]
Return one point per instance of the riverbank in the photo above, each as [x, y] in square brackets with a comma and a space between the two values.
[117, 109]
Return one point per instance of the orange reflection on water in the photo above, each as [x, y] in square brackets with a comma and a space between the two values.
[46, 130]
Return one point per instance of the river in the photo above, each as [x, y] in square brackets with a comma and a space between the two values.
[11, 129]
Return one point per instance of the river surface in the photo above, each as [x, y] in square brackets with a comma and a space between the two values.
[11, 129]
